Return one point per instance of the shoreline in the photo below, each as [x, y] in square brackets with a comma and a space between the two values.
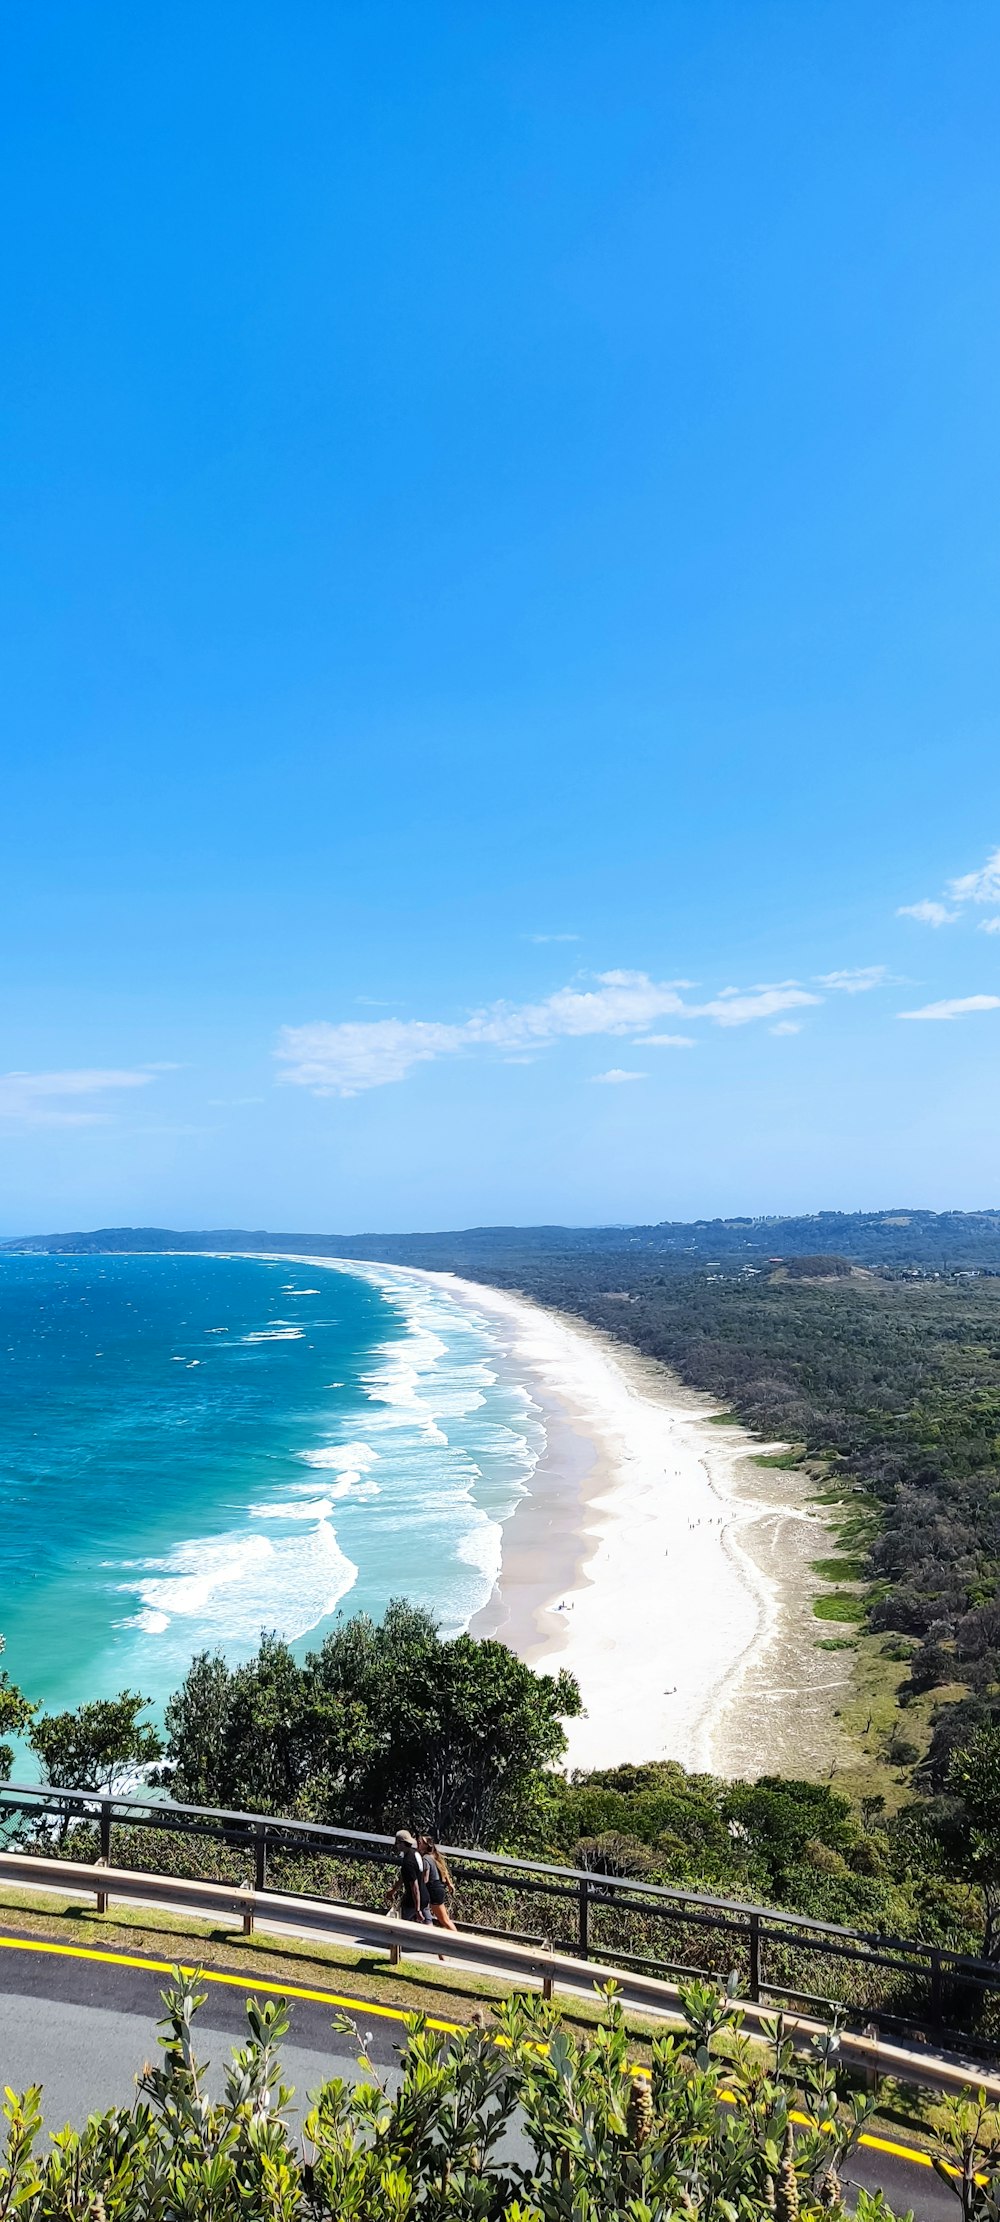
[653, 1558]
[689, 1622]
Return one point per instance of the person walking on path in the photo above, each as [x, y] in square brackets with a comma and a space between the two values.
[439, 1883]
[411, 1886]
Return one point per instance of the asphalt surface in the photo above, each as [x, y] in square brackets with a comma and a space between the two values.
[82, 2027]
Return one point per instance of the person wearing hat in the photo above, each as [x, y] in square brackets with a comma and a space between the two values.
[412, 1884]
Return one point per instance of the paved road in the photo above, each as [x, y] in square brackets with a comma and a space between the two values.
[82, 2027]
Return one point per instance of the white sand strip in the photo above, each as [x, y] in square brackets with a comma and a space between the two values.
[671, 1610]
[657, 1564]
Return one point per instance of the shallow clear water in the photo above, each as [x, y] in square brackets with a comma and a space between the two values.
[196, 1448]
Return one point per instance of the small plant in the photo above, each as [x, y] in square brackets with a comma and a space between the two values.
[968, 2156]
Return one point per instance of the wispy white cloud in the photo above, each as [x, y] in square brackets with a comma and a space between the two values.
[41, 1098]
[345, 1059]
[928, 913]
[981, 886]
[990, 925]
[666, 1041]
[857, 980]
[978, 887]
[734, 1008]
[786, 1026]
[954, 1006]
[618, 1003]
[550, 937]
[616, 1077]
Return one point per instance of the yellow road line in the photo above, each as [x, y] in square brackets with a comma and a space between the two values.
[212, 1975]
[326, 1998]
[901, 2152]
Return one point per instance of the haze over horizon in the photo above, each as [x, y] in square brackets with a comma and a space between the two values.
[500, 643]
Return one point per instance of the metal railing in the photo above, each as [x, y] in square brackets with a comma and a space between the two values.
[775, 1956]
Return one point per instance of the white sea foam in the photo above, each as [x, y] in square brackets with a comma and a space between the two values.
[300, 1502]
[341, 1456]
[433, 1456]
[456, 1443]
[231, 1586]
[481, 1548]
[305, 1508]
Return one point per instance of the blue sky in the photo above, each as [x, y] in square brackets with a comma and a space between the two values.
[500, 519]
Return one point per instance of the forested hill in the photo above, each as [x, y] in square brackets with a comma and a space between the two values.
[898, 1238]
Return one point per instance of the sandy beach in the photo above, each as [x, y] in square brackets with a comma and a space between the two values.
[660, 1564]
[654, 1558]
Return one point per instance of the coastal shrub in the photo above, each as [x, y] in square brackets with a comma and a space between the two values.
[385, 1725]
[778, 1842]
[521, 2122]
[100, 1746]
[974, 1780]
[15, 1716]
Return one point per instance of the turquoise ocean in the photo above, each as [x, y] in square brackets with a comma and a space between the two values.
[193, 1449]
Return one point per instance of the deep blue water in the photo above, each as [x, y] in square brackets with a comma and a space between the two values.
[193, 1449]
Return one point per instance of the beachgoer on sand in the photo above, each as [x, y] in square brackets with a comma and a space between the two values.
[411, 1885]
[439, 1883]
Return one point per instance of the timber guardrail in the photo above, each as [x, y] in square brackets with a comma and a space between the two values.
[777, 1958]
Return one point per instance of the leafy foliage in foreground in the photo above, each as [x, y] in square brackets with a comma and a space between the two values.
[522, 2123]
